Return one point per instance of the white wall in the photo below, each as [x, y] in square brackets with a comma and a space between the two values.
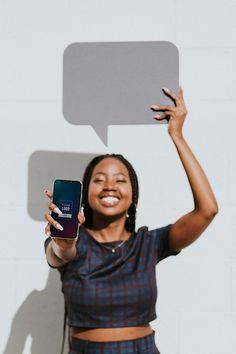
[197, 289]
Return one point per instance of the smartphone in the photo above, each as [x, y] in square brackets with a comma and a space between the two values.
[67, 197]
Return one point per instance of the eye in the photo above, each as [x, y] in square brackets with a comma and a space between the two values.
[98, 180]
[121, 180]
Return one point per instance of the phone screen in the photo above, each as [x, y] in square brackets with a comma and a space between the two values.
[67, 197]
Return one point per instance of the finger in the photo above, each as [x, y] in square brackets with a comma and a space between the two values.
[53, 222]
[162, 108]
[168, 113]
[55, 209]
[162, 116]
[81, 216]
[181, 95]
[171, 94]
[48, 194]
[47, 230]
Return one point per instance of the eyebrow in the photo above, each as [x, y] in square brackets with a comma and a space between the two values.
[115, 174]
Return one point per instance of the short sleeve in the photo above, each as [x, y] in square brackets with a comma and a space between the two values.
[161, 243]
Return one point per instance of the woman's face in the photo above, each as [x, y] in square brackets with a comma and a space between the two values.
[110, 190]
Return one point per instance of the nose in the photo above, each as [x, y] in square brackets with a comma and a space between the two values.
[109, 186]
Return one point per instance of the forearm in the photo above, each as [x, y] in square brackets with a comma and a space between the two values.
[191, 225]
[57, 256]
[203, 196]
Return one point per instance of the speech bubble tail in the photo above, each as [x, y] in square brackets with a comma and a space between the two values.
[102, 132]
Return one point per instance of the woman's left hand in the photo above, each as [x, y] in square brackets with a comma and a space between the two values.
[175, 115]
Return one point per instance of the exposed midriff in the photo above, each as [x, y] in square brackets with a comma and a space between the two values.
[111, 334]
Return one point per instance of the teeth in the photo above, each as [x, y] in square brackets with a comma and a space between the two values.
[110, 199]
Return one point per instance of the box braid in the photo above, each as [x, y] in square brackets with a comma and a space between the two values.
[131, 216]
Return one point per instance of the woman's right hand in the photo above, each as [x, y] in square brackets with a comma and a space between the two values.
[62, 243]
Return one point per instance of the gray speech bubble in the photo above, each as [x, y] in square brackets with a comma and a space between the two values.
[115, 83]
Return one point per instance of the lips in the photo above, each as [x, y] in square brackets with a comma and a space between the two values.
[109, 200]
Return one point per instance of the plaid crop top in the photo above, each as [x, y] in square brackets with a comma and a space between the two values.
[106, 289]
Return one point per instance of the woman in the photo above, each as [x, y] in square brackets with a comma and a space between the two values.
[108, 273]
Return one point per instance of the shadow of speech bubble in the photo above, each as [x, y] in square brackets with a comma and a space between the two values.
[115, 83]
[46, 166]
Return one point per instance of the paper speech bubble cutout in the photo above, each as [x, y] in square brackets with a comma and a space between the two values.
[115, 83]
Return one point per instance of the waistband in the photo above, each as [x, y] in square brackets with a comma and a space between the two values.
[130, 346]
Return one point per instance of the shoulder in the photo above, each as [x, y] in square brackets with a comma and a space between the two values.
[155, 232]
[155, 236]
[157, 241]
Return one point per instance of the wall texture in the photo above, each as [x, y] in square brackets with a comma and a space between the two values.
[197, 290]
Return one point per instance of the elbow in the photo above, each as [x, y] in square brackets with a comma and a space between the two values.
[216, 210]
[212, 212]
[208, 213]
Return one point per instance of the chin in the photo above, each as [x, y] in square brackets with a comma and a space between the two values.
[111, 214]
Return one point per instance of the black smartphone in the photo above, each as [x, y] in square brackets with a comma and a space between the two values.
[67, 197]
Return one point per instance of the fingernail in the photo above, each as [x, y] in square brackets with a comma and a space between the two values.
[154, 107]
[157, 116]
[57, 211]
[165, 89]
[48, 233]
[59, 227]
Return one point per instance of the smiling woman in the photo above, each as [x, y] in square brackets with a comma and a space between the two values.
[108, 273]
[109, 196]
[110, 184]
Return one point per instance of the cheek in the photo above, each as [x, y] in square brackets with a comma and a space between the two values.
[91, 192]
[129, 194]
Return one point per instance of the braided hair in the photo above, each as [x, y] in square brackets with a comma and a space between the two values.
[131, 216]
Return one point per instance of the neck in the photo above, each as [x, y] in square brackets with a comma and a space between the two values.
[108, 231]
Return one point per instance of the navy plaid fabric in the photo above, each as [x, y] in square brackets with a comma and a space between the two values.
[105, 289]
[144, 345]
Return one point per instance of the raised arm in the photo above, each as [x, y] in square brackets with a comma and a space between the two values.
[191, 225]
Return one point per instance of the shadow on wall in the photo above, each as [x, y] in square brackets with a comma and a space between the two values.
[46, 166]
[40, 317]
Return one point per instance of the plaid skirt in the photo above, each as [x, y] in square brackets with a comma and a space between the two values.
[144, 345]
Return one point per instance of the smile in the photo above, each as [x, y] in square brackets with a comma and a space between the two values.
[109, 200]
